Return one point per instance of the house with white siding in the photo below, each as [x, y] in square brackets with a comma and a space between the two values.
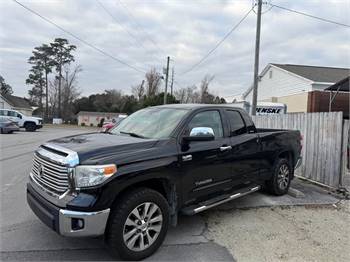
[20, 104]
[293, 84]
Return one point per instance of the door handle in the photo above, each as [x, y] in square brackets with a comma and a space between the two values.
[187, 158]
[225, 148]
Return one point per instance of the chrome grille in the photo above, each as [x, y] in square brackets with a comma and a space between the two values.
[52, 176]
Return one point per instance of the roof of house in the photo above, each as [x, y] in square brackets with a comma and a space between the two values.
[317, 73]
[17, 101]
[342, 85]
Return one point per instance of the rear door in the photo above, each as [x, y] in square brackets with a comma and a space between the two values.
[206, 165]
[246, 149]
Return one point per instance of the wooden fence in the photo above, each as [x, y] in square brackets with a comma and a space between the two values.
[323, 150]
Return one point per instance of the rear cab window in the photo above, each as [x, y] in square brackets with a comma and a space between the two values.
[236, 123]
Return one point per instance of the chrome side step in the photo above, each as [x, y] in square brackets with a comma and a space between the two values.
[191, 210]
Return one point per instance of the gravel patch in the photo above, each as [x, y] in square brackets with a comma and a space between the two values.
[283, 234]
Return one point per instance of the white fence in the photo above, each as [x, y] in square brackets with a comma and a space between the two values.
[324, 136]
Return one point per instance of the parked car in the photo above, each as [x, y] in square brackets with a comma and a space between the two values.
[131, 183]
[7, 126]
[30, 123]
[107, 126]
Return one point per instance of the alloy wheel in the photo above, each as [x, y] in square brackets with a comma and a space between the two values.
[142, 226]
[283, 177]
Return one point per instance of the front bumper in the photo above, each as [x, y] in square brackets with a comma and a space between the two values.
[67, 222]
[39, 126]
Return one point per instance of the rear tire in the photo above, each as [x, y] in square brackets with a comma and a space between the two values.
[135, 237]
[30, 127]
[281, 178]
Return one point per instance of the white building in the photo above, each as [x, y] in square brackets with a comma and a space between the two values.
[17, 103]
[291, 84]
[94, 118]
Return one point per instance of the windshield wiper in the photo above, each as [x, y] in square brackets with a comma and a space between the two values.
[131, 134]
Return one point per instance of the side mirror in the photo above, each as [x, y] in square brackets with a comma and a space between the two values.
[200, 134]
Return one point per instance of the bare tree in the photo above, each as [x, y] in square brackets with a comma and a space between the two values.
[69, 92]
[205, 95]
[153, 79]
[188, 95]
[138, 91]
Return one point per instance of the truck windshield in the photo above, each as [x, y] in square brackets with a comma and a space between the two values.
[150, 123]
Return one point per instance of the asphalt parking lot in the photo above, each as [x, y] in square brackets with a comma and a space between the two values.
[24, 237]
[258, 227]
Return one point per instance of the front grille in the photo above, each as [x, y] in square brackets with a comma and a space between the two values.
[52, 176]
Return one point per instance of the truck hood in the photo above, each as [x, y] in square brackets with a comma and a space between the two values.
[96, 148]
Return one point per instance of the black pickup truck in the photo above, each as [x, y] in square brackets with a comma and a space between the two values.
[131, 183]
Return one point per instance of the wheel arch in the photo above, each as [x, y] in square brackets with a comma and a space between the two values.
[162, 185]
[28, 122]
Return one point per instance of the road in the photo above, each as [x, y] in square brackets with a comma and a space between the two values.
[24, 237]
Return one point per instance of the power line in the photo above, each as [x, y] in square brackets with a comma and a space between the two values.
[125, 29]
[218, 44]
[312, 16]
[132, 17]
[79, 39]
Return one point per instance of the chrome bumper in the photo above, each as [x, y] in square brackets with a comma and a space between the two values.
[67, 222]
[298, 163]
[82, 224]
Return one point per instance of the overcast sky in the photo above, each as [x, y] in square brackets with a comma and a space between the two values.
[149, 30]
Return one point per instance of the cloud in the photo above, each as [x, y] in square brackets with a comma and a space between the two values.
[185, 30]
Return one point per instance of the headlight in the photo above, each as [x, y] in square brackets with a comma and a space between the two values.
[87, 176]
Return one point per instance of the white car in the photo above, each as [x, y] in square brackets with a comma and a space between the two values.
[30, 123]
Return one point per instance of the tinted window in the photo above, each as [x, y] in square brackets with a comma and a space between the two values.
[2, 113]
[236, 122]
[208, 119]
[11, 113]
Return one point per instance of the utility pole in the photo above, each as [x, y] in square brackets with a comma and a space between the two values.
[256, 62]
[166, 80]
[172, 81]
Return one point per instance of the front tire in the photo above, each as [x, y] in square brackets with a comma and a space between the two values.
[30, 127]
[138, 224]
[281, 178]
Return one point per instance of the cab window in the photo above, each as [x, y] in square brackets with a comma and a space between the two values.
[237, 125]
[210, 119]
[11, 113]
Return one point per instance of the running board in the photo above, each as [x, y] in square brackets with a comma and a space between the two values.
[194, 209]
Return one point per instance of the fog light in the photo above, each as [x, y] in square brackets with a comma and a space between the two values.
[77, 223]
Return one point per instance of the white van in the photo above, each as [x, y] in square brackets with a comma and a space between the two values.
[30, 123]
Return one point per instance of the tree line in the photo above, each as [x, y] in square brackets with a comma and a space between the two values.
[55, 92]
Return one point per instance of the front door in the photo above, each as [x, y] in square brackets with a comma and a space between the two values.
[206, 165]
